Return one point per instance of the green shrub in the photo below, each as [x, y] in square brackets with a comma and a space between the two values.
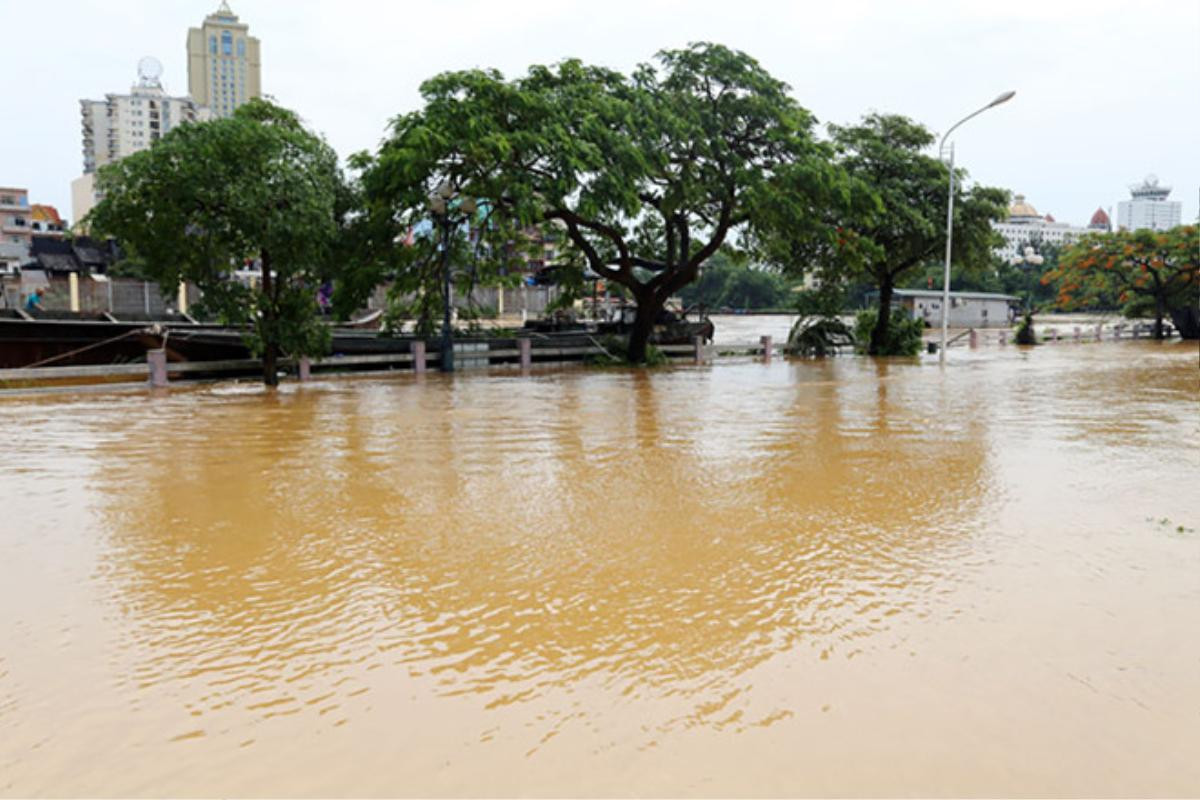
[1025, 333]
[905, 334]
[818, 336]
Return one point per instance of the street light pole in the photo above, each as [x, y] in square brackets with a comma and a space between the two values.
[451, 209]
[446, 362]
[1004, 98]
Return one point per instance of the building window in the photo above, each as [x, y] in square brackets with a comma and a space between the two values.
[227, 43]
[241, 48]
[212, 44]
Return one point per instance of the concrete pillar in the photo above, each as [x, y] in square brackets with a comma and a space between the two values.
[1054, 334]
[500, 301]
[698, 347]
[156, 360]
[73, 283]
[525, 346]
[1078, 331]
[1135, 330]
[303, 368]
[1003, 337]
[418, 354]
[974, 338]
[1116, 331]
[1099, 333]
[146, 297]
[767, 347]
[182, 300]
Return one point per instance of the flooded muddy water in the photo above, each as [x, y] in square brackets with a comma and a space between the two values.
[839, 577]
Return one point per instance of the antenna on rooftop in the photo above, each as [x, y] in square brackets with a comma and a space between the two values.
[150, 72]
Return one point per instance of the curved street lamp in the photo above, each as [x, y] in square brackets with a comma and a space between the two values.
[1004, 98]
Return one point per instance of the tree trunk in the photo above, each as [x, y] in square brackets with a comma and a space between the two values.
[643, 326]
[879, 334]
[270, 365]
[266, 325]
[1187, 321]
[1160, 311]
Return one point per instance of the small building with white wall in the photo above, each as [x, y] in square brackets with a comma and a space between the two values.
[967, 309]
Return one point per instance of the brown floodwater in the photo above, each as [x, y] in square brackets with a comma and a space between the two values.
[838, 578]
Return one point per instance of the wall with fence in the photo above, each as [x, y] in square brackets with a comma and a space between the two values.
[121, 297]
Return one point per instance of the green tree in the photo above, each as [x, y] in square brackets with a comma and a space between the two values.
[886, 153]
[1160, 267]
[211, 195]
[648, 175]
[729, 281]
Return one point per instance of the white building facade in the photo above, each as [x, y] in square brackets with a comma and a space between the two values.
[1149, 208]
[1026, 227]
[122, 124]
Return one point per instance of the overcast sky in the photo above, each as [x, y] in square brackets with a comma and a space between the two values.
[1107, 92]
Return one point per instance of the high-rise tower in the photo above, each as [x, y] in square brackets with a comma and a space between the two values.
[1149, 208]
[224, 65]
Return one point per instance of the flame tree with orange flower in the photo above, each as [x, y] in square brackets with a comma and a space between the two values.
[1162, 267]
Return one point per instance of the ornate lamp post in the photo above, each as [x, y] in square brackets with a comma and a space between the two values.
[1004, 98]
[442, 204]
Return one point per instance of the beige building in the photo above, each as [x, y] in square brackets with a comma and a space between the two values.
[122, 124]
[224, 65]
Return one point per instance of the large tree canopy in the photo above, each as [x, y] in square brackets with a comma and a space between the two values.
[1160, 266]
[210, 196]
[888, 154]
[647, 175]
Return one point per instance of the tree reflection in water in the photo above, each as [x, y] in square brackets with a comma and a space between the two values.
[656, 535]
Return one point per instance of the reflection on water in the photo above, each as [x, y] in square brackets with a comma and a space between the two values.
[744, 578]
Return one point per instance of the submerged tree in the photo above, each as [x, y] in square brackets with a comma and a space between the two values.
[210, 196]
[648, 175]
[886, 153]
[1159, 267]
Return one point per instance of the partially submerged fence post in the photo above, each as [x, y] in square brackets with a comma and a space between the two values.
[1054, 334]
[1002, 338]
[418, 356]
[766, 345]
[698, 344]
[1078, 333]
[1099, 332]
[304, 369]
[156, 360]
[974, 339]
[525, 347]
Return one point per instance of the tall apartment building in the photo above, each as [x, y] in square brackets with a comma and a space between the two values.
[122, 124]
[224, 64]
[16, 216]
[1149, 208]
[1025, 226]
